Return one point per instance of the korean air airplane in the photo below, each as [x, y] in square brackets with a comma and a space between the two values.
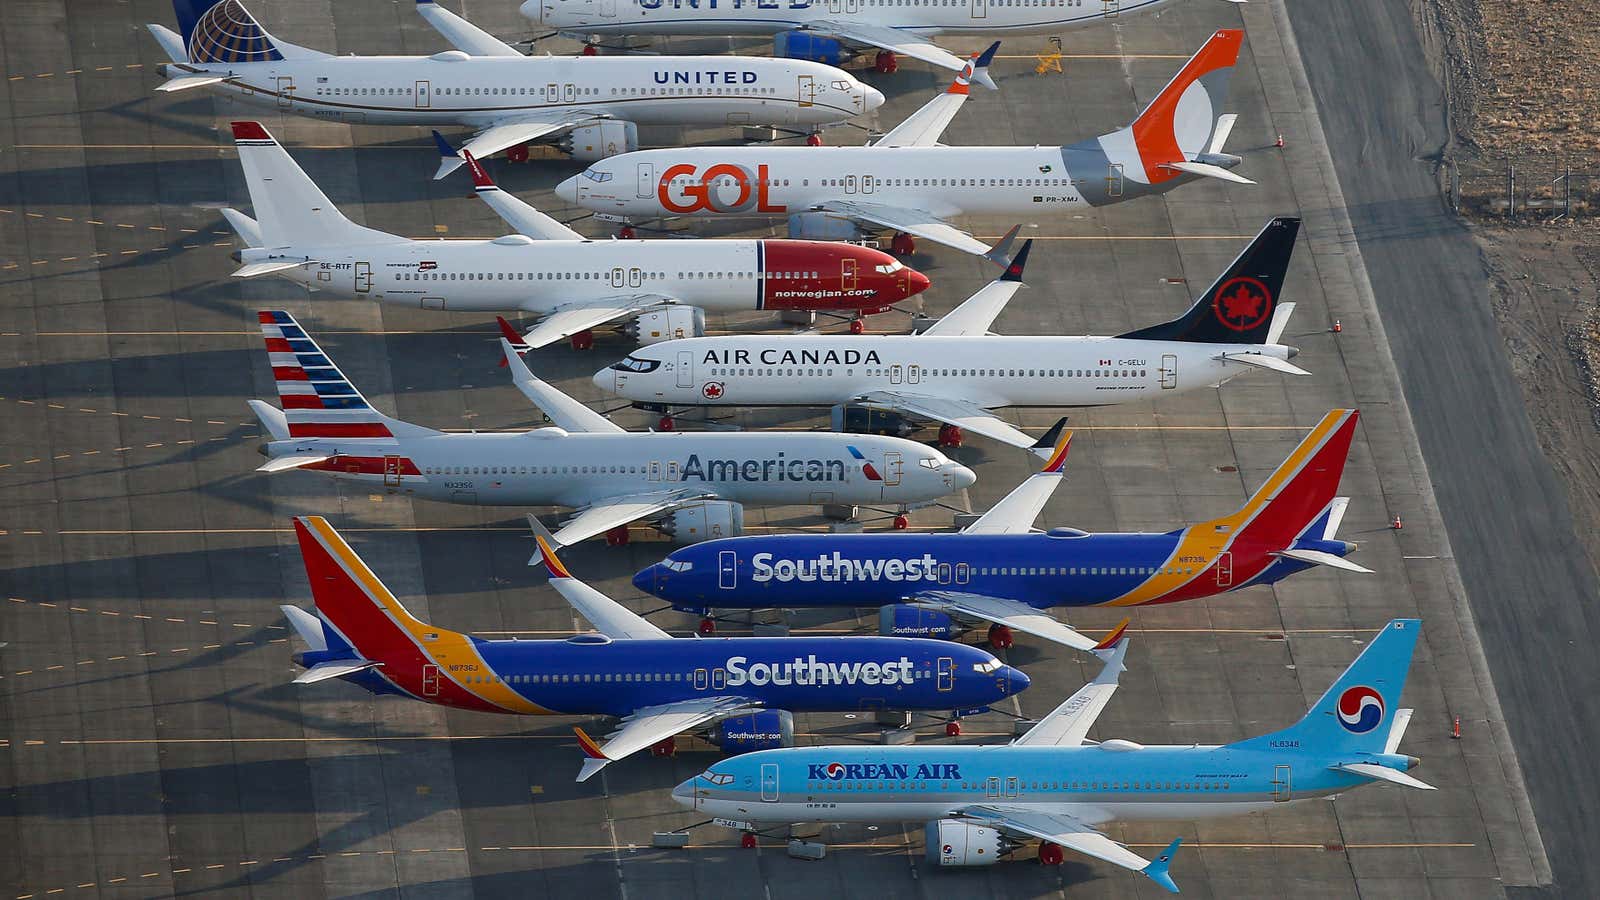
[690, 485]
[999, 570]
[590, 105]
[831, 30]
[744, 690]
[958, 372]
[1056, 786]
[654, 290]
[909, 183]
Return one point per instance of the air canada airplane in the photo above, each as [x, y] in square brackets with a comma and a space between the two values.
[829, 30]
[590, 105]
[999, 570]
[743, 691]
[659, 289]
[691, 485]
[1056, 786]
[909, 183]
[958, 373]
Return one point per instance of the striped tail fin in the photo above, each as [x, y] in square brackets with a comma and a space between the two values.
[318, 400]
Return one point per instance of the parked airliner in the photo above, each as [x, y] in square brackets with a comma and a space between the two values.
[743, 691]
[691, 485]
[591, 106]
[1056, 786]
[958, 373]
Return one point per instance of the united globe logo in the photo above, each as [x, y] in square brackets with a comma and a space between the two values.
[1360, 709]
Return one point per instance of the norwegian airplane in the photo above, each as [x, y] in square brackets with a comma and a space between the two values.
[743, 692]
[662, 288]
[689, 485]
[830, 31]
[999, 570]
[958, 373]
[908, 182]
[591, 106]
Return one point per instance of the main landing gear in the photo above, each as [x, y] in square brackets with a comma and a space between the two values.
[617, 537]
[886, 63]
[1000, 637]
[902, 244]
[949, 435]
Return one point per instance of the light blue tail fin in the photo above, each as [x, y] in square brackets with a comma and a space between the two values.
[1358, 710]
[223, 31]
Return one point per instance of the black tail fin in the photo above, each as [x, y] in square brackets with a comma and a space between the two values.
[1238, 307]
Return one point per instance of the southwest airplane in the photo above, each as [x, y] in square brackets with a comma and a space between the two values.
[814, 29]
[487, 85]
[908, 182]
[662, 287]
[1054, 785]
[957, 372]
[745, 689]
[699, 482]
[1001, 571]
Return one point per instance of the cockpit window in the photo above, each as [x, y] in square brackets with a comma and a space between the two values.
[928, 462]
[635, 364]
[985, 668]
[677, 565]
[597, 176]
[840, 86]
[716, 777]
[890, 268]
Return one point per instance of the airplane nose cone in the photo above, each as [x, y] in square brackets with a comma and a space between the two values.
[683, 794]
[871, 98]
[962, 477]
[568, 190]
[646, 578]
[606, 380]
[532, 10]
[916, 283]
[1017, 680]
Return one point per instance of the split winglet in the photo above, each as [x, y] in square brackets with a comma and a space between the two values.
[547, 549]
[980, 67]
[480, 178]
[1157, 870]
[594, 759]
[1110, 640]
[1056, 441]
[507, 331]
[1019, 262]
[1000, 253]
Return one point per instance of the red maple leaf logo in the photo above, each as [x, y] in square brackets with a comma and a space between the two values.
[712, 390]
[1242, 304]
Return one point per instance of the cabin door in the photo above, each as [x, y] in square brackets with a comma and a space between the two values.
[947, 673]
[1169, 371]
[769, 782]
[686, 368]
[430, 680]
[848, 272]
[391, 470]
[893, 466]
[727, 569]
[646, 184]
[979, 8]
[806, 91]
[285, 91]
[1280, 784]
[363, 277]
[1225, 569]
[1114, 180]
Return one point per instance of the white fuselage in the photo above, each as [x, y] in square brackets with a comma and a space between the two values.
[551, 467]
[452, 88]
[993, 371]
[922, 17]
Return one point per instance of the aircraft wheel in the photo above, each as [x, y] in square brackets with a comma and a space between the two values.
[665, 423]
[617, 537]
[708, 627]
[858, 326]
[583, 340]
[1000, 637]
[747, 841]
[952, 729]
[1050, 854]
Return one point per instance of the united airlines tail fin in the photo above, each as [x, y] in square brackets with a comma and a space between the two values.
[223, 31]
[291, 211]
[1243, 305]
[318, 400]
[1359, 712]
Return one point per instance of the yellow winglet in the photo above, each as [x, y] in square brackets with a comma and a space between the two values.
[551, 561]
[1058, 457]
[587, 744]
[1111, 639]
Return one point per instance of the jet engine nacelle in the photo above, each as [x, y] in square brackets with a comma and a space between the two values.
[954, 842]
[813, 47]
[592, 143]
[900, 620]
[822, 226]
[667, 324]
[766, 730]
[704, 521]
[849, 419]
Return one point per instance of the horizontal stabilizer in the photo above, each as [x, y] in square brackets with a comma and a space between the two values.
[185, 82]
[272, 419]
[247, 228]
[1262, 361]
[1384, 773]
[1207, 170]
[1321, 558]
[253, 270]
[294, 461]
[326, 670]
[308, 626]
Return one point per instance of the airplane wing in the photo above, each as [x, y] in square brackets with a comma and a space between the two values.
[902, 42]
[513, 131]
[654, 724]
[566, 321]
[463, 34]
[924, 127]
[1013, 614]
[613, 620]
[975, 314]
[604, 515]
[1075, 833]
[563, 411]
[519, 215]
[1015, 512]
[919, 222]
[1068, 724]
[963, 413]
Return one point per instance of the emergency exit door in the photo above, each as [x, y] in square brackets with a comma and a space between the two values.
[979, 8]
[424, 96]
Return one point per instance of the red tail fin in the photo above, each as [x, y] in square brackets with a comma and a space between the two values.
[1301, 488]
[1179, 121]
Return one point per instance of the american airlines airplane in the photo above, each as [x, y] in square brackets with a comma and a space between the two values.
[908, 182]
[690, 485]
[593, 104]
[1000, 570]
[743, 692]
[662, 288]
[1058, 787]
[829, 30]
[958, 373]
